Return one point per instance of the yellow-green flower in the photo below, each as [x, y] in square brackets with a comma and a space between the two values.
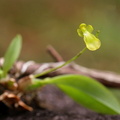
[91, 41]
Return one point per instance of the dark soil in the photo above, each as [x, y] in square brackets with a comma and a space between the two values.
[54, 106]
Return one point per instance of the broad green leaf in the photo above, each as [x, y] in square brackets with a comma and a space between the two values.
[12, 53]
[85, 91]
[116, 92]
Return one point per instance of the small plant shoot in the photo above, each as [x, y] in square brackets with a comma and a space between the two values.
[11, 55]
[84, 90]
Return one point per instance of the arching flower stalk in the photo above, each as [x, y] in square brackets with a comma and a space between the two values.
[91, 41]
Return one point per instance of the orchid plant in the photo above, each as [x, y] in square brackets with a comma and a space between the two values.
[84, 90]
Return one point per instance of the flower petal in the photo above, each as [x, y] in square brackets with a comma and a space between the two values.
[83, 27]
[80, 33]
[89, 28]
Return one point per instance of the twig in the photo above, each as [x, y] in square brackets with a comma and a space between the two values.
[108, 78]
[57, 57]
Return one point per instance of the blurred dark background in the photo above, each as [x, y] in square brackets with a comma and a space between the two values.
[44, 22]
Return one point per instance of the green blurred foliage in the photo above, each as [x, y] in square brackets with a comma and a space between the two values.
[44, 22]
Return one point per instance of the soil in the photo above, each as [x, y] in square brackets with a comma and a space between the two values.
[50, 103]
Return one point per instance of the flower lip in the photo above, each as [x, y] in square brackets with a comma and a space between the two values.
[92, 43]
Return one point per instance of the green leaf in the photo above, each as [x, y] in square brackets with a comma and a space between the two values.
[86, 91]
[12, 53]
[116, 92]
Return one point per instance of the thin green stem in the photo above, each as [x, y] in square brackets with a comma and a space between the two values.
[67, 62]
